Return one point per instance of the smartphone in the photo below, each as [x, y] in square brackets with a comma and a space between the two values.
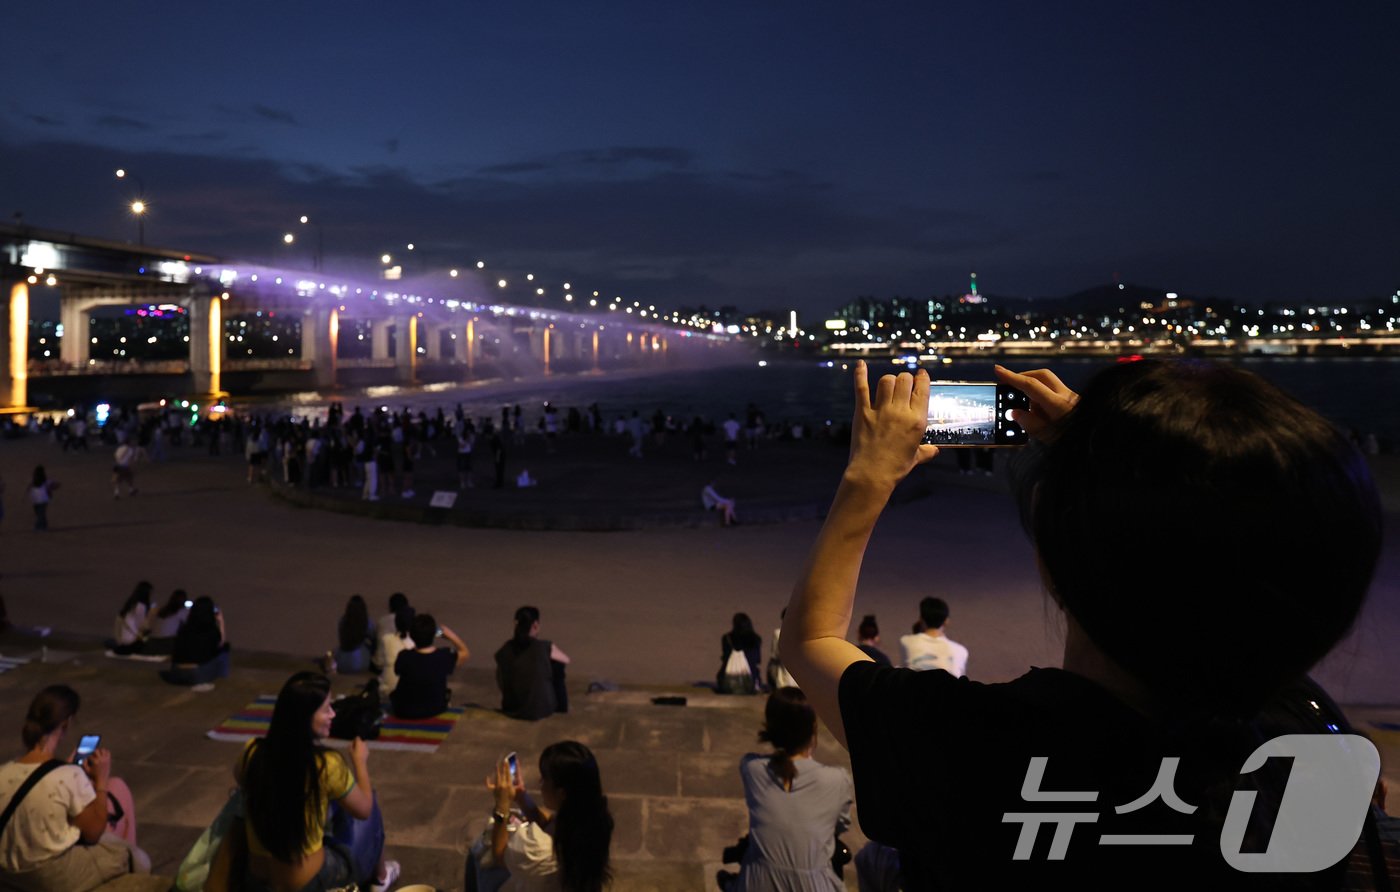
[974, 413]
[86, 745]
[189, 604]
[514, 765]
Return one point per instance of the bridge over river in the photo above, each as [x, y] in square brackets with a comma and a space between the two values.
[413, 337]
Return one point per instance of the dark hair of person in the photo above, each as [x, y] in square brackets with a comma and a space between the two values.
[50, 708]
[282, 772]
[174, 604]
[397, 602]
[201, 615]
[423, 630]
[1194, 493]
[583, 827]
[40, 478]
[403, 620]
[789, 724]
[934, 612]
[868, 628]
[525, 619]
[354, 625]
[741, 634]
[139, 595]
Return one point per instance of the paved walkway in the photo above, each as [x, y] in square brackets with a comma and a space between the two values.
[642, 607]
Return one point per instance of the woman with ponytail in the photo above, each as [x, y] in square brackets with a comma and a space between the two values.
[561, 844]
[796, 805]
[289, 781]
[58, 834]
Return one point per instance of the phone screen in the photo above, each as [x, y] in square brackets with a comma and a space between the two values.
[86, 745]
[514, 765]
[974, 414]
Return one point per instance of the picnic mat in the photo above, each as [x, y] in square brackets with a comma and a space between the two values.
[418, 735]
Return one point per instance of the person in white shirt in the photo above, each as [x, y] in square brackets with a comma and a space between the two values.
[731, 439]
[122, 472]
[931, 648]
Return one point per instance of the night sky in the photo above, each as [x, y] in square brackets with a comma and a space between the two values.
[764, 154]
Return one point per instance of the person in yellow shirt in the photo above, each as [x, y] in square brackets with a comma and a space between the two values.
[289, 780]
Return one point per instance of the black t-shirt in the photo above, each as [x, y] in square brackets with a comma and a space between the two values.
[940, 762]
[526, 679]
[422, 688]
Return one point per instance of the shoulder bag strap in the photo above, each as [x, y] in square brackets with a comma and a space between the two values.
[29, 783]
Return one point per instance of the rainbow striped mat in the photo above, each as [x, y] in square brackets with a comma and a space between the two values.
[417, 735]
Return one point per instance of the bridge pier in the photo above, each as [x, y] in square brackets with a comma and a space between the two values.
[432, 340]
[320, 336]
[466, 347]
[206, 341]
[379, 338]
[406, 349]
[14, 345]
[75, 347]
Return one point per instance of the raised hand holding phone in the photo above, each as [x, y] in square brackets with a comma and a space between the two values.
[1050, 397]
[886, 429]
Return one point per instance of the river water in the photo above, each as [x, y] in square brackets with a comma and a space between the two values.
[1353, 393]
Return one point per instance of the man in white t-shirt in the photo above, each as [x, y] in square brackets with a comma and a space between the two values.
[931, 648]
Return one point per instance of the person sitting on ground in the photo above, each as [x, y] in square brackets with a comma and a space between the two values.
[130, 627]
[868, 640]
[797, 806]
[530, 671]
[422, 691]
[312, 816]
[743, 639]
[1148, 450]
[355, 638]
[778, 676]
[562, 843]
[59, 837]
[201, 651]
[930, 648]
[391, 644]
[397, 602]
[164, 624]
[713, 501]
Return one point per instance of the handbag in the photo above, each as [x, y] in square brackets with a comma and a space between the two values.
[194, 869]
[736, 676]
[358, 715]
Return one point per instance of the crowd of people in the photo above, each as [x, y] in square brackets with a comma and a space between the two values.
[941, 763]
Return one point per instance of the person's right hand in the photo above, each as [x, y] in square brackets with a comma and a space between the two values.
[98, 766]
[1050, 399]
[886, 431]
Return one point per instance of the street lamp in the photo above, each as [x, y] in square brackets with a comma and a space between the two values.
[138, 205]
[317, 259]
[138, 209]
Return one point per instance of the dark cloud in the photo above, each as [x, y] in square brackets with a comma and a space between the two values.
[121, 122]
[516, 167]
[666, 156]
[391, 145]
[276, 115]
[204, 136]
[612, 158]
[43, 120]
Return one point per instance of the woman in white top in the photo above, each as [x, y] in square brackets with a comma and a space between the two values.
[561, 844]
[57, 838]
[393, 642]
[130, 626]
